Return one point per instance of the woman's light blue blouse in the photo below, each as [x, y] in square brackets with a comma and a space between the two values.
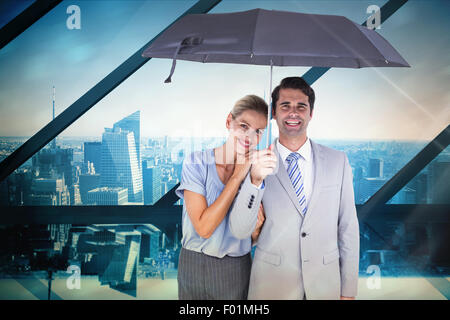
[199, 174]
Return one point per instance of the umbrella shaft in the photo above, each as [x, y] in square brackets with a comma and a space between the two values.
[269, 129]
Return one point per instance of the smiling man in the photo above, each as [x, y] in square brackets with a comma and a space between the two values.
[308, 247]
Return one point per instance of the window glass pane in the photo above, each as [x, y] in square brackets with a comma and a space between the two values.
[58, 51]
[430, 185]
[368, 113]
[375, 162]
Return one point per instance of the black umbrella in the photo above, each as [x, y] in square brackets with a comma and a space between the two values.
[275, 38]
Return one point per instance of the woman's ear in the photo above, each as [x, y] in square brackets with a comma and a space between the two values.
[228, 122]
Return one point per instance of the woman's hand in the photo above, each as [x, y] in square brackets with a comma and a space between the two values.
[259, 223]
[242, 166]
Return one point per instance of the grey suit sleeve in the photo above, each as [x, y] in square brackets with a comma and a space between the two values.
[244, 210]
[348, 235]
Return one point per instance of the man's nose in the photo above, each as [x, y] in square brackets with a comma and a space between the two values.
[293, 113]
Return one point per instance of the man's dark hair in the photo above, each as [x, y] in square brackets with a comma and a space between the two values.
[293, 83]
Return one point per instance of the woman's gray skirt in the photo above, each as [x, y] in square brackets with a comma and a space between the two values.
[203, 277]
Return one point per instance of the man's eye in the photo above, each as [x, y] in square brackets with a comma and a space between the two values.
[243, 126]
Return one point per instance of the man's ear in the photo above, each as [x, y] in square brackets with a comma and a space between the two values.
[311, 112]
[273, 112]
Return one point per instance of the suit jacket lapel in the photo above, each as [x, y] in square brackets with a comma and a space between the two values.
[283, 177]
[319, 174]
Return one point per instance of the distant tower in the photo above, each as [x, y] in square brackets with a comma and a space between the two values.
[132, 123]
[54, 140]
[119, 162]
[375, 168]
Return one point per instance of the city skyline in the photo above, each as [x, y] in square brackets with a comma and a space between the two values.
[378, 103]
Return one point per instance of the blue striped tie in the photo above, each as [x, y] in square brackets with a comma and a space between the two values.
[297, 179]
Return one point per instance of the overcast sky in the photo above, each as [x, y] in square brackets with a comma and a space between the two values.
[379, 103]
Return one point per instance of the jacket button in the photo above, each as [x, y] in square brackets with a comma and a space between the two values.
[303, 234]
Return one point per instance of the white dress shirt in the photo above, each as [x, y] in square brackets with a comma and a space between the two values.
[305, 164]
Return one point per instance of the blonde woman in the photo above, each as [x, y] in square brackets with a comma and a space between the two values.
[213, 264]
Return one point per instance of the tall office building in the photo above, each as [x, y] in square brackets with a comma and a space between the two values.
[75, 197]
[120, 167]
[54, 164]
[375, 168]
[92, 154]
[88, 182]
[132, 123]
[107, 196]
[49, 192]
[151, 176]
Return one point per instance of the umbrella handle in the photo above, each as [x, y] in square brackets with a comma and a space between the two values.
[189, 41]
[174, 63]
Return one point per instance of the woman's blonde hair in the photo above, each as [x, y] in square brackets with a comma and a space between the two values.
[249, 102]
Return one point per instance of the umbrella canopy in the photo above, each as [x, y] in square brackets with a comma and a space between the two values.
[275, 38]
[270, 37]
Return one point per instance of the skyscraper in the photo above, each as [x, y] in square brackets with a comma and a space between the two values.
[92, 154]
[54, 164]
[375, 168]
[152, 182]
[50, 192]
[87, 183]
[132, 123]
[107, 196]
[120, 167]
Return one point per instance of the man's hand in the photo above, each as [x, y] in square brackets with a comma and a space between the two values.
[347, 298]
[264, 162]
[259, 224]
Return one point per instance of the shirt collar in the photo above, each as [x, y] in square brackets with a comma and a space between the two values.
[304, 151]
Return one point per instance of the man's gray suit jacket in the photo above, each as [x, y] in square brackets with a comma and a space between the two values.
[316, 255]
